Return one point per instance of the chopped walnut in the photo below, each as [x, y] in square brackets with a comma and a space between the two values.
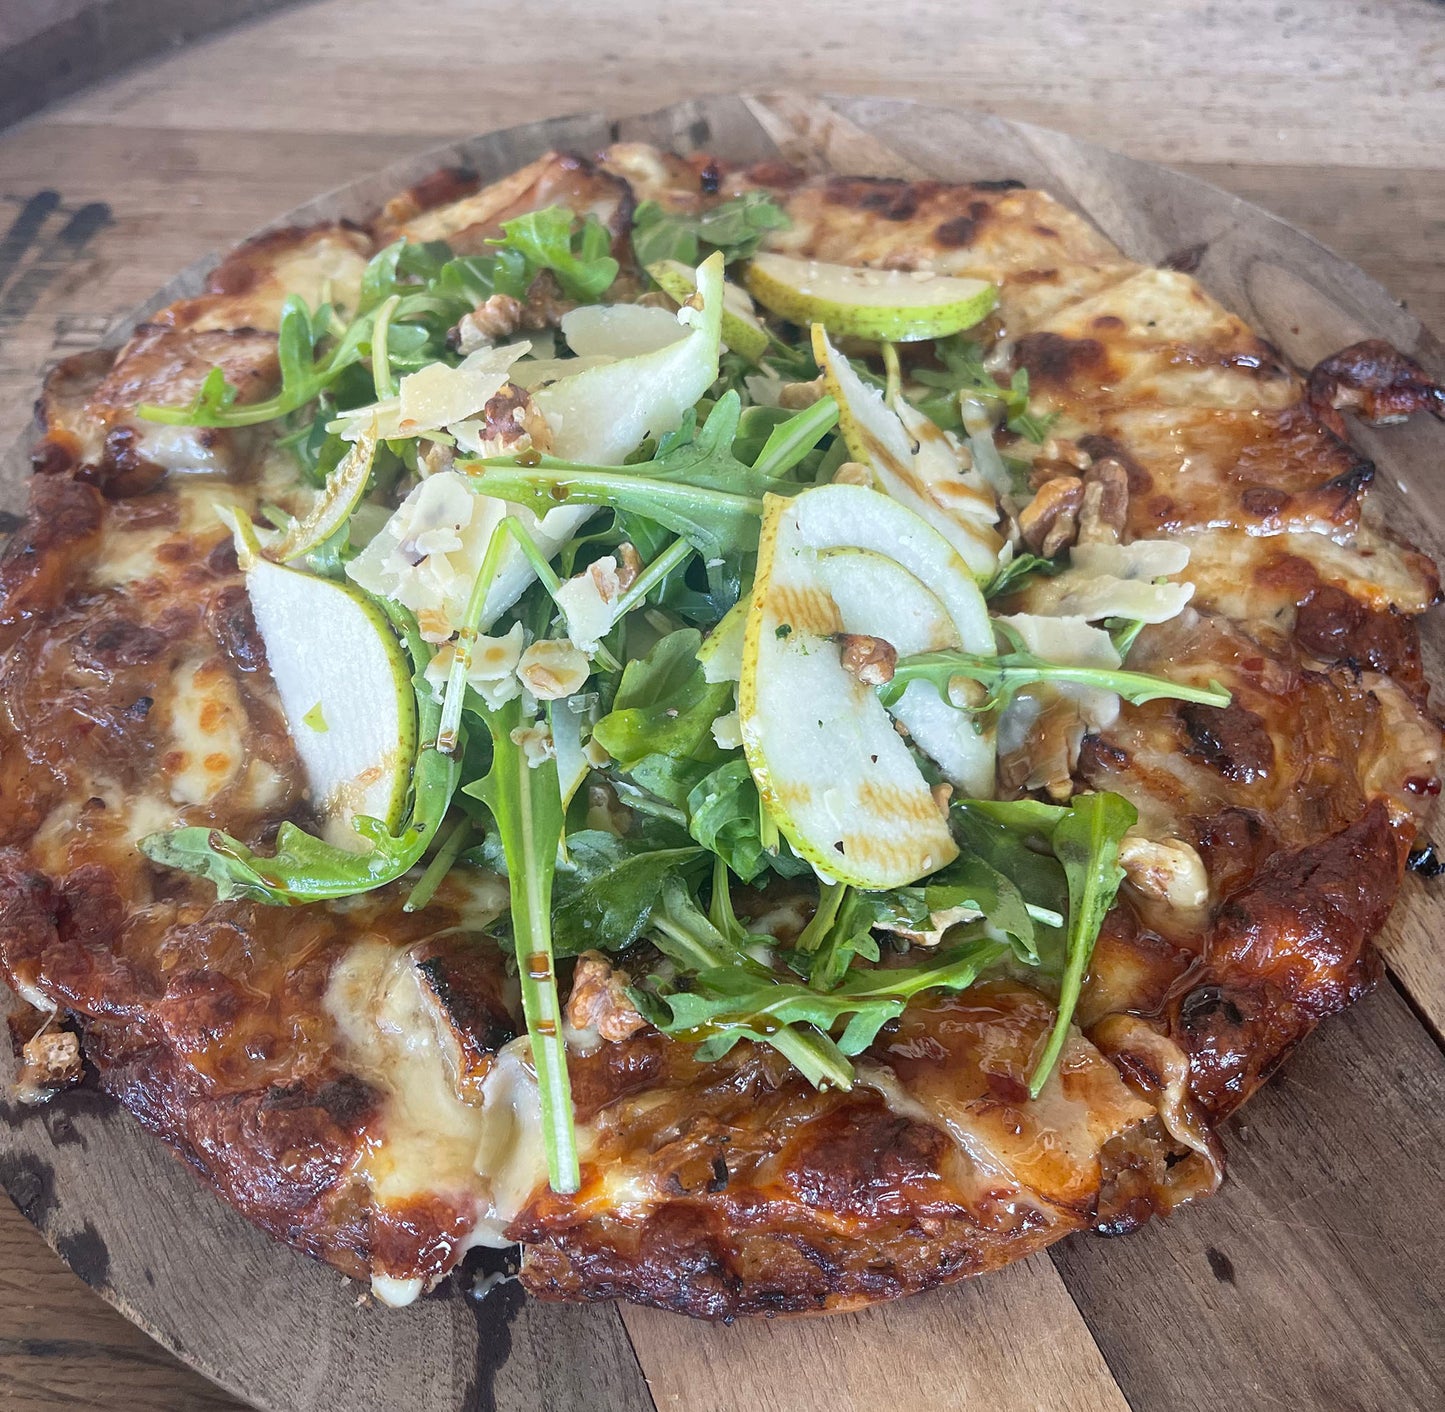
[503, 315]
[853, 473]
[1166, 869]
[870, 659]
[433, 457]
[796, 396]
[494, 318]
[1060, 450]
[1049, 521]
[629, 568]
[49, 1062]
[535, 743]
[551, 669]
[1105, 505]
[599, 999]
[511, 420]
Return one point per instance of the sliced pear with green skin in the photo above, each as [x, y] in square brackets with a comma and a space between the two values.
[345, 687]
[742, 330]
[914, 466]
[836, 777]
[878, 596]
[334, 505]
[600, 417]
[900, 306]
[721, 653]
[855, 517]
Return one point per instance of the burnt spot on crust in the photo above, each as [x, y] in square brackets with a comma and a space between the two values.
[117, 642]
[871, 1163]
[233, 625]
[1374, 379]
[885, 197]
[962, 230]
[1233, 844]
[1052, 360]
[1286, 950]
[1338, 630]
[441, 188]
[1231, 739]
[38, 562]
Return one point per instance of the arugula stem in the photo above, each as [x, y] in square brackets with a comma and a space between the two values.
[1009, 671]
[793, 439]
[455, 691]
[550, 483]
[830, 899]
[676, 553]
[381, 377]
[893, 374]
[438, 868]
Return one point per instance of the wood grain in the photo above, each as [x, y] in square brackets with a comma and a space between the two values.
[1316, 1278]
[192, 153]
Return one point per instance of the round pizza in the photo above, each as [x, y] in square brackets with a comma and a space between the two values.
[776, 740]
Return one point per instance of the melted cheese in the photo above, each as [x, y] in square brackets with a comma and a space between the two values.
[487, 1157]
[206, 727]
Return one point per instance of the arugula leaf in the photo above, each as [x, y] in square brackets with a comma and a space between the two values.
[304, 868]
[605, 896]
[738, 998]
[1086, 842]
[735, 227]
[973, 881]
[1020, 567]
[724, 814]
[693, 485]
[665, 705]
[525, 801]
[304, 375]
[1009, 672]
[582, 262]
[963, 374]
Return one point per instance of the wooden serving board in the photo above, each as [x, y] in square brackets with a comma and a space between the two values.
[1316, 1278]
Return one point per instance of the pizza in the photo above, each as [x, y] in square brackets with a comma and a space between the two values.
[776, 740]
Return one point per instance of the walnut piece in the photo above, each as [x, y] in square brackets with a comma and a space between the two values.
[49, 1062]
[870, 659]
[599, 999]
[1049, 521]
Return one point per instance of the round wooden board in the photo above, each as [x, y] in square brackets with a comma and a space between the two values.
[1313, 1278]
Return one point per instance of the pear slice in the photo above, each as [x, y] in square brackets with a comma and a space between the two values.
[877, 596]
[854, 517]
[602, 414]
[913, 461]
[838, 779]
[898, 305]
[742, 330]
[334, 505]
[721, 653]
[345, 688]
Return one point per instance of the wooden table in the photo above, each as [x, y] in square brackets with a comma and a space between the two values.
[1330, 114]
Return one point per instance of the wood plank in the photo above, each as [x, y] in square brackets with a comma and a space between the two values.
[1316, 1277]
[1013, 1339]
[51, 49]
[63, 1346]
[1253, 78]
